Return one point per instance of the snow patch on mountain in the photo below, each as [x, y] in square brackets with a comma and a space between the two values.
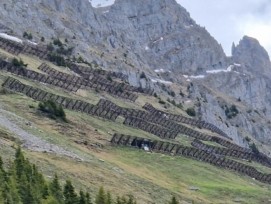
[197, 76]
[161, 81]
[193, 77]
[10, 37]
[161, 71]
[101, 3]
[229, 69]
[216, 71]
[32, 43]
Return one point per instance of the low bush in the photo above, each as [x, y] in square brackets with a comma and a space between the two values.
[179, 106]
[109, 78]
[31, 106]
[191, 112]
[172, 93]
[254, 148]
[181, 93]
[143, 75]
[50, 47]
[53, 110]
[28, 36]
[231, 112]
[173, 102]
[161, 101]
[65, 51]
[57, 42]
[18, 63]
[120, 89]
[247, 139]
[56, 58]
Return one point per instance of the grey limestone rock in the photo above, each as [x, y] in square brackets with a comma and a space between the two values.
[252, 56]
[162, 30]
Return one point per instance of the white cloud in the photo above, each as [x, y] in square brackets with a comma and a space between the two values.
[230, 20]
[257, 28]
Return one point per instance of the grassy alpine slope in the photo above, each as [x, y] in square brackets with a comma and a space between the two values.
[150, 177]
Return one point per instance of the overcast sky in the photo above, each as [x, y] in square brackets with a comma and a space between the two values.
[229, 20]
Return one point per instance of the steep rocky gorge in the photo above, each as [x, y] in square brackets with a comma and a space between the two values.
[148, 35]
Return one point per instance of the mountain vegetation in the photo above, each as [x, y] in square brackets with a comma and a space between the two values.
[23, 183]
[131, 103]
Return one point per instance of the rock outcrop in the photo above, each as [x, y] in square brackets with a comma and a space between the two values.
[252, 56]
[156, 33]
[162, 30]
[247, 86]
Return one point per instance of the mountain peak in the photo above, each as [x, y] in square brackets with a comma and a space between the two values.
[138, 8]
[163, 29]
[250, 53]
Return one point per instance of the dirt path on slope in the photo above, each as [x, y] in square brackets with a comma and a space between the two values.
[29, 140]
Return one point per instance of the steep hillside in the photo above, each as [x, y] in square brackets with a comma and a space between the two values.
[136, 97]
[80, 149]
[160, 39]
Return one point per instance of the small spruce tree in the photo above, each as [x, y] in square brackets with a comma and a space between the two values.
[109, 198]
[88, 198]
[82, 197]
[101, 197]
[55, 189]
[174, 200]
[131, 200]
[70, 196]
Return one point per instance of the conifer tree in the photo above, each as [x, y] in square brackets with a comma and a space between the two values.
[1, 198]
[101, 198]
[131, 200]
[109, 198]
[123, 200]
[5, 193]
[82, 197]
[88, 199]
[38, 184]
[45, 191]
[14, 189]
[174, 200]
[19, 163]
[55, 189]
[2, 174]
[32, 187]
[70, 197]
[50, 200]
[118, 201]
[25, 190]
[24, 184]
[1, 164]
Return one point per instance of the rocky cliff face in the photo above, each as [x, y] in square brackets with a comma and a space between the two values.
[160, 30]
[253, 57]
[51, 18]
[251, 80]
[163, 30]
[247, 85]
[147, 35]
